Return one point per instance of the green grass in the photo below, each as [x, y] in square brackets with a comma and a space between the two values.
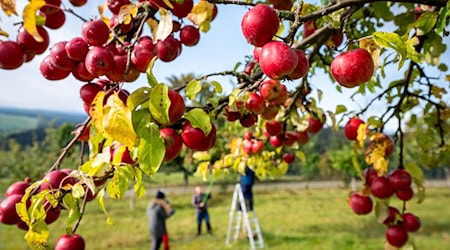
[289, 219]
[17, 123]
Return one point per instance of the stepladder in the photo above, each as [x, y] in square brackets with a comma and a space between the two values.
[242, 218]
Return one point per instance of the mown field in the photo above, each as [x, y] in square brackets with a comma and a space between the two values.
[17, 123]
[289, 219]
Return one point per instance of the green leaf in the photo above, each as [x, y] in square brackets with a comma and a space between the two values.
[74, 215]
[417, 175]
[381, 211]
[139, 187]
[78, 190]
[319, 95]
[427, 21]
[151, 79]
[393, 41]
[37, 235]
[151, 150]
[199, 119]
[192, 89]
[217, 87]
[374, 121]
[140, 119]
[117, 186]
[101, 204]
[340, 109]
[159, 104]
[300, 155]
[443, 15]
[201, 156]
[97, 166]
[138, 97]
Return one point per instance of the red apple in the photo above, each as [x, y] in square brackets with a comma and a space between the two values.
[360, 204]
[247, 147]
[405, 194]
[195, 139]
[290, 138]
[28, 43]
[176, 108]
[396, 236]
[351, 128]
[67, 242]
[309, 28]
[302, 66]
[59, 57]
[248, 120]
[411, 222]
[315, 124]
[11, 55]
[232, 115]
[56, 179]
[277, 59]
[369, 175]
[181, 10]
[8, 209]
[302, 137]
[288, 157]
[18, 187]
[270, 111]
[381, 188]
[392, 214]
[172, 142]
[95, 32]
[276, 140]
[189, 35]
[55, 20]
[260, 24]
[255, 103]
[270, 89]
[274, 127]
[88, 92]
[99, 61]
[114, 5]
[353, 68]
[400, 179]
[50, 71]
[257, 146]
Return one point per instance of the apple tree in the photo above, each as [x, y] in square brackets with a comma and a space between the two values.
[361, 45]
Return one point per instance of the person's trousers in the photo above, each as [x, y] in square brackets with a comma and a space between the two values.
[156, 243]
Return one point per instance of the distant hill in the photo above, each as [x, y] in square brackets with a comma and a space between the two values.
[15, 120]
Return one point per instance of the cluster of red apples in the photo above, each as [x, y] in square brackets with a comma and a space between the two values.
[98, 51]
[51, 185]
[383, 186]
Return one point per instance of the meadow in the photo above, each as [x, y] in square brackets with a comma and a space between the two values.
[289, 219]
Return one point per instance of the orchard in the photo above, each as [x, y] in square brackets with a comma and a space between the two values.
[273, 108]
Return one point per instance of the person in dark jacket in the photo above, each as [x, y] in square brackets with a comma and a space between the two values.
[247, 181]
[158, 211]
[199, 201]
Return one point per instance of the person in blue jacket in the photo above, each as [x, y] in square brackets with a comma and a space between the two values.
[247, 181]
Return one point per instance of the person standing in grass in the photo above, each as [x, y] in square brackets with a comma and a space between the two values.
[247, 180]
[158, 211]
[199, 201]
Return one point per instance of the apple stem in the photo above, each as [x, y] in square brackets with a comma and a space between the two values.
[82, 208]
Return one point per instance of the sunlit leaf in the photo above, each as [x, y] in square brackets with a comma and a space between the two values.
[394, 41]
[201, 14]
[417, 174]
[426, 21]
[9, 7]
[164, 26]
[140, 119]
[74, 215]
[192, 89]
[361, 134]
[29, 18]
[159, 103]
[372, 47]
[151, 149]
[199, 119]
[201, 156]
[437, 91]
[127, 13]
[301, 156]
[96, 112]
[78, 190]
[117, 121]
[217, 87]
[151, 79]
[101, 204]
[139, 187]
[138, 97]
[153, 25]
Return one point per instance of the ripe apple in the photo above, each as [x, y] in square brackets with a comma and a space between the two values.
[249, 68]
[260, 24]
[77, 48]
[257, 146]
[99, 61]
[11, 55]
[50, 71]
[59, 57]
[56, 179]
[189, 35]
[50, 6]
[255, 103]
[18, 187]
[309, 28]
[277, 59]
[172, 142]
[52, 213]
[168, 49]
[118, 74]
[67, 242]
[290, 138]
[270, 89]
[400, 179]
[176, 108]
[270, 111]
[27, 42]
[248, 120]
[81, 73]
[8, 209]
[352, 68]
[369, 175]
[302, 66]
[411, 222]
[114, 5]
[55, 20]
[140, 59]
[232, 115]
[274, 127]
[315, 124]
[282, 4]
[276, 140]
[302, 137]
[405, 194]
[281, 98]
[397, 236]
[381, 188]
[256, 53]
[83, 133]
[195, 139]
[181, 10]
[78, 3]
[288, 157]
[247, 147]
[95, 32]
[360, 204]
[351, 128]
[88, 92]
[248, 135]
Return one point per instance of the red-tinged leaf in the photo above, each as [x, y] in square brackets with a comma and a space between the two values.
[29, 18]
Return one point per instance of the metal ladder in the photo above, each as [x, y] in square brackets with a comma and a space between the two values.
[251, 224]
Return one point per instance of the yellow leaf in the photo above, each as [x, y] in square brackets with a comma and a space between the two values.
[381, 165]
[3, 33]
[437, 91]
[362, 131]
[447, 78]
[201, 12]
[29, 18]
[127, 13]
[117, 121]
[153, 24]
[372, 47]
[96, 112]
[9, 7]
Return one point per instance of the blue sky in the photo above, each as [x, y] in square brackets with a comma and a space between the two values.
[218, 50]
